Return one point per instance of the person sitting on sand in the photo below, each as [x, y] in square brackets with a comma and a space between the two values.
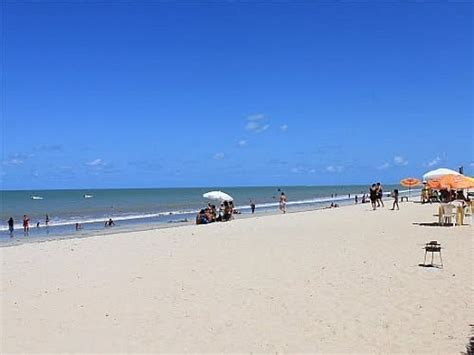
[209, 215]
[201, 217]
[227, 212]
[395, 199]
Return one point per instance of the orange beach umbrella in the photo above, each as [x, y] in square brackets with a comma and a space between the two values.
[410, 182]
[452, 182]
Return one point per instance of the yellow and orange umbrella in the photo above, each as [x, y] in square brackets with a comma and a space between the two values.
[452, 182]
[410, 182]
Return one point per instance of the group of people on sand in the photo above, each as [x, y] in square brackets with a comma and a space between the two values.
[376, 197]
[210, 214]
[429, 195]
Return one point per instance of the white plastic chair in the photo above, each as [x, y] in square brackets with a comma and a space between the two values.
[449, 214]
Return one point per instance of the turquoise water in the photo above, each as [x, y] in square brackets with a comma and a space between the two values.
[148, 208]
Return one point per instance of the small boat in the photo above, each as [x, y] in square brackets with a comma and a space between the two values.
[36, 197]
[88, 196]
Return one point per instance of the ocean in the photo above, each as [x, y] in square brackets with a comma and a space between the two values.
[138, 209]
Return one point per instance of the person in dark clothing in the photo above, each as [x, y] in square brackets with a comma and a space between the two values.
[252, 206]
[11, 226]
[373, 196]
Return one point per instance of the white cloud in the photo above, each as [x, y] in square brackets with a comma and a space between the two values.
[13, 161]
[297, 170]
[257, 123]
[334, 169]
[242, 143]
[284, 128]
[400, 161]
[312, 171]
[434, 162]
[256, 127]
[96, 163]
[219, 156]
[472, 164]
[384, 166]
[256, 117]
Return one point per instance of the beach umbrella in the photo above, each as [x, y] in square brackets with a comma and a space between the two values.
[451, 182]
[437, 173]
[410, 182]
[218, 196]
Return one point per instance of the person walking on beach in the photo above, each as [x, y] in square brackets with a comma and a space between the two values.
[379, 195]
[11, 226]
[356, 199]
[395, 199]
[283, 201]
[26, 225]
[373, 196]
[252, 206]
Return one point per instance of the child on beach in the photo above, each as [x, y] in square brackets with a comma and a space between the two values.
[395, 199]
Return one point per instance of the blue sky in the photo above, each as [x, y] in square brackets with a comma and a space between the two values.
[109, 94]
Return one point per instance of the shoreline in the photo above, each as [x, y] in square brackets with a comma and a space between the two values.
[131, 224]
[21, 240]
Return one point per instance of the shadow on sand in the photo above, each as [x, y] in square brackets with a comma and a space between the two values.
[431, 224]
[470, 345]
[430, 265]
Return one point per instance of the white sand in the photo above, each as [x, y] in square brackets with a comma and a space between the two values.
[339, 280]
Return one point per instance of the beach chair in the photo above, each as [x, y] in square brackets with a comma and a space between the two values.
[432, 247]
[449, 214]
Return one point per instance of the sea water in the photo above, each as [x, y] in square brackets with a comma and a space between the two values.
[138, 209]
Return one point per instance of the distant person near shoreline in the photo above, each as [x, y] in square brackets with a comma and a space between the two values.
[46, 220]
[283, 201]
[252, 206]
[26, 225]
[11, 226]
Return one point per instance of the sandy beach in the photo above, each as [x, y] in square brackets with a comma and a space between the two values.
[335, 280]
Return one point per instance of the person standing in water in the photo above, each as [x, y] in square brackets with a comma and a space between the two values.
[46, 220]
[252, 206]
[11, 226]
[283, 201]
[26, 225]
